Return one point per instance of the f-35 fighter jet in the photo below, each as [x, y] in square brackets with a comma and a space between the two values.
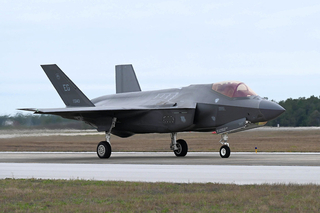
[224, 107]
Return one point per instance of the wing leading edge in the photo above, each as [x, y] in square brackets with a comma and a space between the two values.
[99, 109]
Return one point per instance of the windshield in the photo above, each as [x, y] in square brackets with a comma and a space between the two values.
[233, 89]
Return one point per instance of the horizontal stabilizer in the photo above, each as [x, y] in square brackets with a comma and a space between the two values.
[126, 79]
[68, 91]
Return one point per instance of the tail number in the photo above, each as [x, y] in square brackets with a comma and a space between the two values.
[66, 87]
[76, 101]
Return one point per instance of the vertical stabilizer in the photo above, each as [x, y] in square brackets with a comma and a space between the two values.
[68, 91]
[126, 79]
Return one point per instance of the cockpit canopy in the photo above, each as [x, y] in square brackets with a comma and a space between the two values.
[233, 89]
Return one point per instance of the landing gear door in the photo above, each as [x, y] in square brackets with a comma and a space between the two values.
[232, 126]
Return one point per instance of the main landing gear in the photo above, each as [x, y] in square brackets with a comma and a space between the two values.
[179, 147]
[225, 149]
[104, 147]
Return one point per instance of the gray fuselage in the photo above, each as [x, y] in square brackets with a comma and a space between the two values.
[192, 108]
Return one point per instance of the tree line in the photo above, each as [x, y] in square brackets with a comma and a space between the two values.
[299, 112]
[20, 120]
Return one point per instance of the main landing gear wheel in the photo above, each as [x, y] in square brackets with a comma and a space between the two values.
[104, 149]
[225, 151]
[182, 148]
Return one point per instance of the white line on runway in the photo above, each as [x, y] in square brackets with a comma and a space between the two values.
[165, 173]
[169, 152]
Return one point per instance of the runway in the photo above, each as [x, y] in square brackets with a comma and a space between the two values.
[202, 167]
[166, 158]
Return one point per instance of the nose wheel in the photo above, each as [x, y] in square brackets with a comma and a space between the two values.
[225, 149]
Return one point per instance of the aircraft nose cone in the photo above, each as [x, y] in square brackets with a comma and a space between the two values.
[270, 110]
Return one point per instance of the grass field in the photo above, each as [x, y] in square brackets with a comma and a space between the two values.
[274, 140]
[35, 195]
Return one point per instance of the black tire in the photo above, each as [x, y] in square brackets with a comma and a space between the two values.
[182, 148]
[104, 149]
[225, 151]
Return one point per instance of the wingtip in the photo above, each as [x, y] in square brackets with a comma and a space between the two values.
[29, 109]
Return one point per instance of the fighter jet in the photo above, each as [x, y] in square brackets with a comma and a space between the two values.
[223, 108]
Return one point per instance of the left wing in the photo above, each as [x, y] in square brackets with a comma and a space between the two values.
[101, 116]
[109, 111]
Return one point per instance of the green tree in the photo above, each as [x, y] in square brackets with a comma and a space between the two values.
[299, 112]
[314, 118]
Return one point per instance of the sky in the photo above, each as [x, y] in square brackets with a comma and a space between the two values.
[272, 46]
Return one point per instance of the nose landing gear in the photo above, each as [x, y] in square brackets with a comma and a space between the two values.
[225, 149]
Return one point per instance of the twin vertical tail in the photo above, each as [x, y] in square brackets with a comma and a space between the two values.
[68, 91]
[126, 79]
